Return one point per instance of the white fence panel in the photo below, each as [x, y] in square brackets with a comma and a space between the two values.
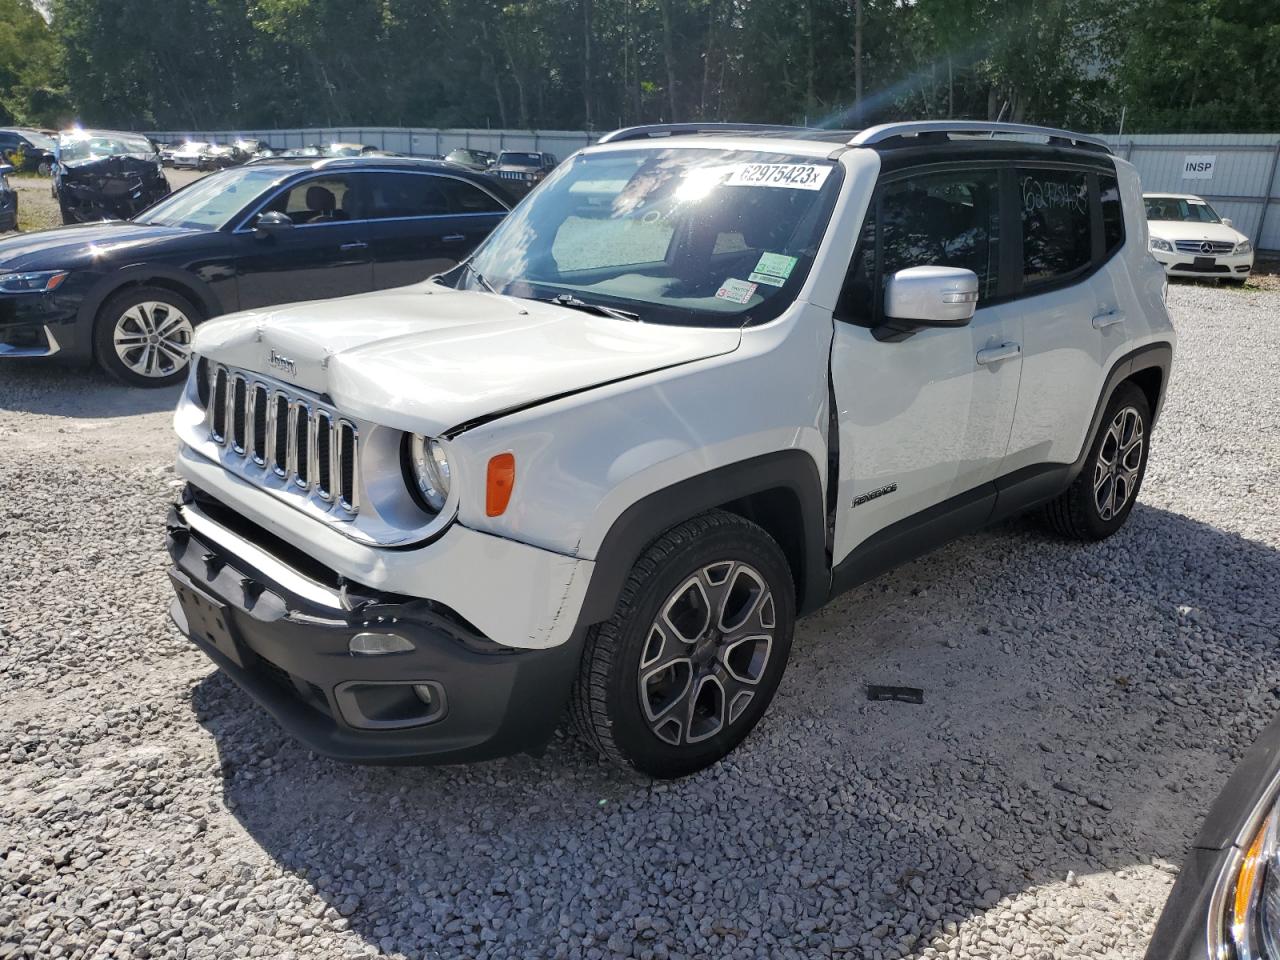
[1244, 184]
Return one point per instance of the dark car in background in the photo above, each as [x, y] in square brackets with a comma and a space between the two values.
[128, 294]
[1225, 904]
[523, 170]
[8, 201]
[27, 150]
[106, 175]
[480, 160]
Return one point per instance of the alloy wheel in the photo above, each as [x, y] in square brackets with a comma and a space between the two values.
[1116, 471]
[153, 339]
[706, 653]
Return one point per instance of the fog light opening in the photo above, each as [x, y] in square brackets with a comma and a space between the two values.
[376, 644]
[426, 693]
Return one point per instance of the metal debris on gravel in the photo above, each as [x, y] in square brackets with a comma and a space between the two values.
[1085, 705]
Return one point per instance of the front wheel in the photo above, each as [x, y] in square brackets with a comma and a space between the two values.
[1097, 504]
[694, 651]
[143, 336]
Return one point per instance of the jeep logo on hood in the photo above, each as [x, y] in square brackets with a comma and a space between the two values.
[282, 363]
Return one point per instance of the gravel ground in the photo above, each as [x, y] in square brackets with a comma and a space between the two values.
[1082, 708]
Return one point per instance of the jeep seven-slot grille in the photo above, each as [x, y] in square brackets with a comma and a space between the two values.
[311, 448]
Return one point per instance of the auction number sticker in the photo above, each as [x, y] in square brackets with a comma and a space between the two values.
[773, 269]
[736, 291]
[793, 176]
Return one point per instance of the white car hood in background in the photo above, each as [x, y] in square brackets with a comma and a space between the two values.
[1181, 230]
[427, 358]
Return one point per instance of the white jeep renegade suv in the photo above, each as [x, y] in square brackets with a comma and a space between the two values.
[700, 382]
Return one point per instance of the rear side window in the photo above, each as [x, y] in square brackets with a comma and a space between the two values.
[949, 219]
[1112, 214]
[467, 198]
[1057, 239]
[394, 195]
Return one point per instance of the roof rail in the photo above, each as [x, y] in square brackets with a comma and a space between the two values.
[885, 133]
[652, 130]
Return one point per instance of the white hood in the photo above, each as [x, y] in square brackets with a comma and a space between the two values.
[1182, 230]
[427, 358]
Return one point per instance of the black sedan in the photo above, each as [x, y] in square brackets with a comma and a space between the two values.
[1226, 902]
[128, 294]
[27, 150]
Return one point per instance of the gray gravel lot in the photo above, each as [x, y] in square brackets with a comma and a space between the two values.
[1082, 708]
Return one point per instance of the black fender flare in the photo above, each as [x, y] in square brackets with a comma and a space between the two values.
[1157, 356]
[792, 472]
[138, 275]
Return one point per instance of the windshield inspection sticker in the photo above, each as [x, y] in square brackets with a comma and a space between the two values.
[773, 269]
[736, 291]
[793, 176]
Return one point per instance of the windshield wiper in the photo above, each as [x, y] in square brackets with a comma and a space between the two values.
[469, 268]
[569, 300]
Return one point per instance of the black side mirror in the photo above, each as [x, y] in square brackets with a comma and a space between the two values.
[271, 223]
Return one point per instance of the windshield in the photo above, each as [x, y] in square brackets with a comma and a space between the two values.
[40, 141]
[686, 236]
[469, 156]
[1181, 209]
[521, 159]
[212, 202]
[78, 145]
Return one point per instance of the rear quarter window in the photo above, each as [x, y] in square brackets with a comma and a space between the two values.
[1112, 214]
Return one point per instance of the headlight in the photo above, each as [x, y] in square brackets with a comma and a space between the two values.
[1162, 245]
[39, 282]
[1250, 925]
[430, 467]
[1244, 246]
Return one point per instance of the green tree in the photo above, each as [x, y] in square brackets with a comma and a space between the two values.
[1202, 65]
[32, 88]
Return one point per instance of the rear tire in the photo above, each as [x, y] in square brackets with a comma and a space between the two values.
[143, 336]
[1097, 504]
[694, 651]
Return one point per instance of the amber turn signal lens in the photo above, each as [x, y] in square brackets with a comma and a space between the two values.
[501, 481]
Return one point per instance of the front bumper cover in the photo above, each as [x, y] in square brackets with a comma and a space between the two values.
[289, 650]
[1224, 266]
[1182, 932]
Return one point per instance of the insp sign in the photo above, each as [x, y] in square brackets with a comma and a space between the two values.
[1198, 166]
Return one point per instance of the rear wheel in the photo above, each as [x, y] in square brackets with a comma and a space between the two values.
[694, 651]
[1097, 504]
[143, 336]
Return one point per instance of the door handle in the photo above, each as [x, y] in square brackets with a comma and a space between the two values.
[354, 245]
[1108, 319]
[454, 238]
[1001, 351]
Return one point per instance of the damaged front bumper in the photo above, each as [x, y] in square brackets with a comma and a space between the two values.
[284, 628]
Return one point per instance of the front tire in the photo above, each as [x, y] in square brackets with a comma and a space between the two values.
[143, 336]
[1097, 504]
[694, 651]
